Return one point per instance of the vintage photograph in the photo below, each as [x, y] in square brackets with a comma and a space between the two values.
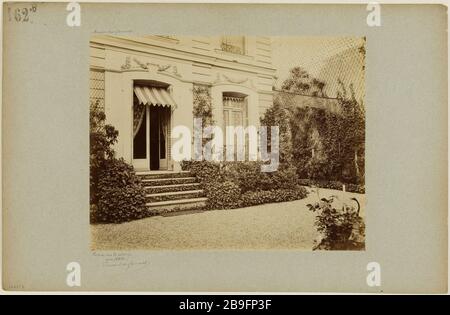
[227, 142]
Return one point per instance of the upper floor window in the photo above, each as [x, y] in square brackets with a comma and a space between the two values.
[233, 44]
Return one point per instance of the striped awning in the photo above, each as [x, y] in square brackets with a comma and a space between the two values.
[154, 96]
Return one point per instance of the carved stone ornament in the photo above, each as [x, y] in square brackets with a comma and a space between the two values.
[234, 80]
[139, 65]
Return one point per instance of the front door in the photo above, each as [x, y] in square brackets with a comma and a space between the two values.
[150, 144]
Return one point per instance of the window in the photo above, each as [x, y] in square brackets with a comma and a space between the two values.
[235, 113]
[233, 44]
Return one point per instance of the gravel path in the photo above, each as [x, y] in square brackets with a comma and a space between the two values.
[287, 225]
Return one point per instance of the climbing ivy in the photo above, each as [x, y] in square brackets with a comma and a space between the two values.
[203, 105]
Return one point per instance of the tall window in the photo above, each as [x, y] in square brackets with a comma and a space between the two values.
[235, 113]
[233, 44]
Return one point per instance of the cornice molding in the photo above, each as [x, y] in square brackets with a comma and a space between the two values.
[123, 45]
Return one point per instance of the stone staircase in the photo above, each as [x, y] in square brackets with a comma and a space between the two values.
[171, 191]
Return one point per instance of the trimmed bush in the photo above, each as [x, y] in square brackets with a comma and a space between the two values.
[223, 195]
[203, 170]
[252, 198]
[360, 189]
[242, 184]
[247, 175]
[121, 196]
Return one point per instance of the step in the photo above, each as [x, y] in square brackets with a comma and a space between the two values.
[161, 207]
[172, 193]
[175, 195]
[168, 181]
[161, 174]
[175, 202]
[171, 188]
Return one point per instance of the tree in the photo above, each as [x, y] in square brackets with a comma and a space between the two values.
[353, 136]
[300, 81]
[277, 115]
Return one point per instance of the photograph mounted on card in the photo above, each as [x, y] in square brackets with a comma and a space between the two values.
[224, 147]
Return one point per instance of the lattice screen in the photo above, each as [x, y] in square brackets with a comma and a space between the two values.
[97, 87]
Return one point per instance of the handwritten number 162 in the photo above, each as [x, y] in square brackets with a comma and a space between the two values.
[21, 14]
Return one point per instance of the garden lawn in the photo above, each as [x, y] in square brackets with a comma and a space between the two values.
[286, 225]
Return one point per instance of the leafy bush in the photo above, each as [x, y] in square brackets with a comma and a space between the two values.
[121, 196]
[223, 195]
[101, 139]
[243, 184]
[204, 170]
[247, 175]
[278, 115]
[321, 144]
[116, 194]
[341, 227]
[252, 198]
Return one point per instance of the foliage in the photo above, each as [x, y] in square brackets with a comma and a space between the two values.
[341, 227]
[249, 177]
[300, 81]
[116, 194]
[251, 198]
[329, 184]
[277, 115]
[243, 184]
[353, 116]
[321, 144]
[121, 195]
[326, 144]
[223, 195]
[203, 105]
[101, 139]
[246, 174]
[205, 171]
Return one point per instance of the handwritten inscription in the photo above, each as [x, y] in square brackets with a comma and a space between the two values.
[121, 260]
[22, 14]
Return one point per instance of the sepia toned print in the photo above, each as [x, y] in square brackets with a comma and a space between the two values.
[227, 142]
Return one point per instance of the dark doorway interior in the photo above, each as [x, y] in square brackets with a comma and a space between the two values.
[154, 137]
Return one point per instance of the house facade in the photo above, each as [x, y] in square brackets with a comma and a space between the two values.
[145, 87]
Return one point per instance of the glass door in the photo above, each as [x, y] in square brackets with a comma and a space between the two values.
[141, 155]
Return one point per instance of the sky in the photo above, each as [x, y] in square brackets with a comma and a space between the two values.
[325, 58]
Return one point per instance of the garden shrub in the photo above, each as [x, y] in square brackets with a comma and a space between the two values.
[121, 196]
[248, 176]
[101, 139]
[116, 194]
[223, 195]
[278, 115]
[340, 225]
[243, 184]
[204, 170]
[251, 198]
